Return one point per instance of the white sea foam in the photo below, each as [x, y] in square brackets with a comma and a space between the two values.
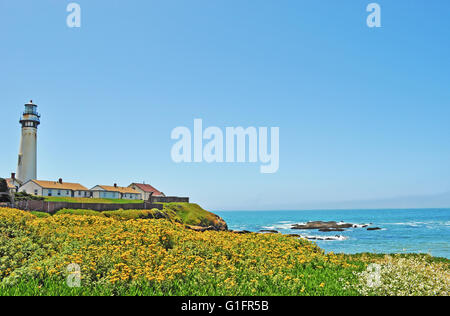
[411, 224]
[278, 226]
[418, 224]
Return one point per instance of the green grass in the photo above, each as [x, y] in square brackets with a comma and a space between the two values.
[192, 287]
[79, 212]
[40, 214]
[192, 214]
[90, 200]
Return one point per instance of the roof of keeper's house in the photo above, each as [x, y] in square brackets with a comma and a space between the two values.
[123, 190]
[56, 185]
[147, 188]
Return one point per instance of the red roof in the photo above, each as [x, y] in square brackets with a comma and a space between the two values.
[148, 188]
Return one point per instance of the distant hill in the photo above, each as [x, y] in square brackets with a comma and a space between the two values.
[441, 200]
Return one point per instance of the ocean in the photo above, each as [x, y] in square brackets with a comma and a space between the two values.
[402, 231]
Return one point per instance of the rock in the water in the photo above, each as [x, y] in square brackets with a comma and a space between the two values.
[373, 228]
[269, 231]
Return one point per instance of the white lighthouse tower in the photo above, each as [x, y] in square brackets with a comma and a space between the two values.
[27, 164]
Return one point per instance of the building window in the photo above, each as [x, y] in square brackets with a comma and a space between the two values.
[59, 192]
[49, 192]
[35, 192]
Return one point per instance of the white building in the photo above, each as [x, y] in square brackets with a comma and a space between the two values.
[27, 162]
[146, 190]
[115, 192]
[58, 189]
[13, 183]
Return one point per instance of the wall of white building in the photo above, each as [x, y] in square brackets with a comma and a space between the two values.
[57, 192]
[31, 188]
[132, 196]
[99, 193]
[144, 195]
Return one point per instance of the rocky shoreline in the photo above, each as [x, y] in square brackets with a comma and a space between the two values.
[331, 226]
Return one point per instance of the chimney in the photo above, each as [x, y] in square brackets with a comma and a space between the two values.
[115, 185]
[60, 181]
[13, 176]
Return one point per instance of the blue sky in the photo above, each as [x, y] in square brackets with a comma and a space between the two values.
[363, 113]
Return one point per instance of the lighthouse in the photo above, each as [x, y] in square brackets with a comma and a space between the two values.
[27, 164]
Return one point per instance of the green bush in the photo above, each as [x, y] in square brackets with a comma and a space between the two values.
[22, 196]
[4, 192]
[40, 214]
[3, 185]
[79, 212]
[193, 214]
[135, 214]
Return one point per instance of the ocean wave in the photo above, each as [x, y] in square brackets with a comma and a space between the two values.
[429, 224]
[278, 226]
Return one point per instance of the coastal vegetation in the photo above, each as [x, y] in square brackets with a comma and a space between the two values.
[185, 213]
[125, 254]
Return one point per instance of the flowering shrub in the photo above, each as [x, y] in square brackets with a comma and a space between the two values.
[399, 276]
